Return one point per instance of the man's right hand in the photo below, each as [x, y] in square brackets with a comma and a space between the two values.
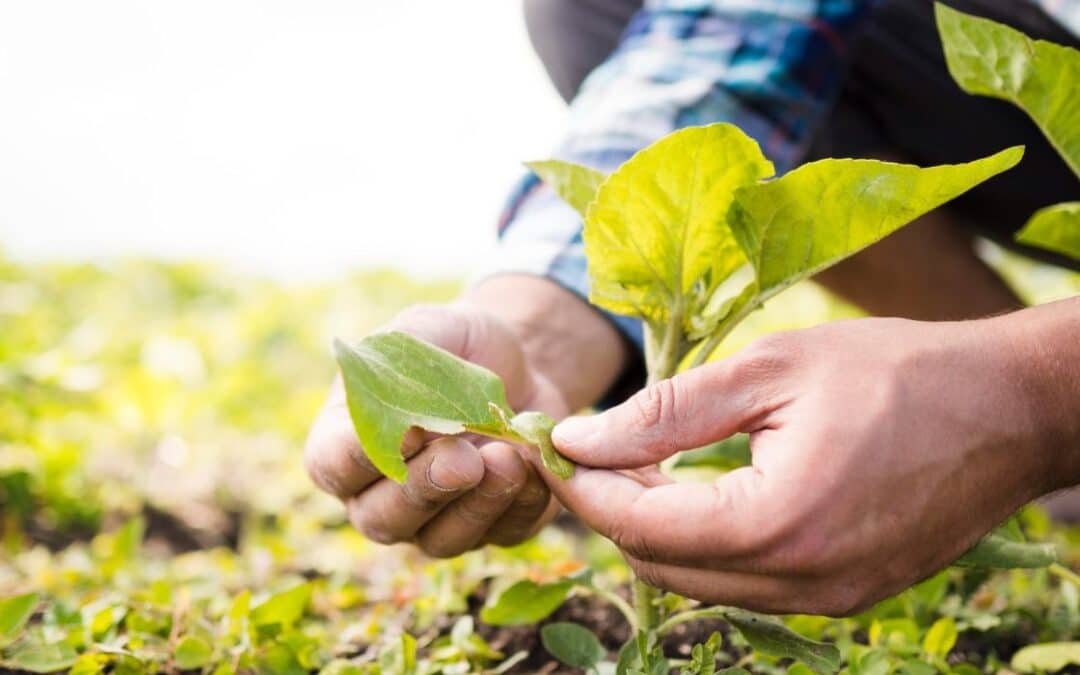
[461, 492]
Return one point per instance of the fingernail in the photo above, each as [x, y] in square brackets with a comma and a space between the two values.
[574, 431]
[445, 472]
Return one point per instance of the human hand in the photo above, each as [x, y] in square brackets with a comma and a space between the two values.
[882, 450]
[461, 492]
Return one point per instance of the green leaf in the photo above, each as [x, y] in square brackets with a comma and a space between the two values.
[525, 602]
[772, 637]
[725, 455]
[193, 652]
[817, 215]
[654, 235]
[40, 658]
[576, 184]
[283, 608]
[14, 613]
[1042, 78]
[996, 551]
[535, 427]
[941, 637]
[394, 381]
[573, 644]
[1050, 657]
[1055, 228]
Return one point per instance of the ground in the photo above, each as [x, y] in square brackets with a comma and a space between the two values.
[152, 498]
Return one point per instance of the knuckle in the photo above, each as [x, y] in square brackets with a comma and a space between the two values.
[654, 410]
[476, 511]
[766, 355]
[420, 499]
[840, 600]
[372, 527]
[439, 547]
[648, 572]
[631, 540]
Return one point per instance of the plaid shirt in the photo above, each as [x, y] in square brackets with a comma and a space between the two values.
[772, 67]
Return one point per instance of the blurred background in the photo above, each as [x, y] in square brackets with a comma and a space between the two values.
[298, 139]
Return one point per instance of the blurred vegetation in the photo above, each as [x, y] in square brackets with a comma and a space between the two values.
[155, 515]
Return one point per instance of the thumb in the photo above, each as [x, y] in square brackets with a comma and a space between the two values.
[684, 412]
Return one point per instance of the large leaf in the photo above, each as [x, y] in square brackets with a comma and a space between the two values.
[576, 184]
[1043, 78]
[772, 637]
[1047, 658]
[394, 381]
[825, 211]
[526, 602]
[655, 232]
[1055, 228]
[573, 644]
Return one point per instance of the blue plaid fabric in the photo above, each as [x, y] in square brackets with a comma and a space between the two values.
[772, 67]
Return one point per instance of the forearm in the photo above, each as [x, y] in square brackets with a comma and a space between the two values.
[1042, 345]
[564, 338]
[927, 271]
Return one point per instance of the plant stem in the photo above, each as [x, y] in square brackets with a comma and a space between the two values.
[620, 604]
[709, 344]
[645, 609]
[690, 615]
[662, 360]
[1064, 573]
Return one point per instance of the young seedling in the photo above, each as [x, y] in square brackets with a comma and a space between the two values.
[690, 235]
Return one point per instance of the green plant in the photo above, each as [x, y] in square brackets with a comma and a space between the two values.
[989, 59]
[690, 235]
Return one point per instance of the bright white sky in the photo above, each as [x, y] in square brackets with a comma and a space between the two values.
[296, 138]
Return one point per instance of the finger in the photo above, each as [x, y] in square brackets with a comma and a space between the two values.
[531, 509]
[727, 522]
[444, 470]
[334, 458]
[461, 525]
[684, 412]
[749, 591]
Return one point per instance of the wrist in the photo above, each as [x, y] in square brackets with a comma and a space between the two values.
[563, 338]
[1041, 353]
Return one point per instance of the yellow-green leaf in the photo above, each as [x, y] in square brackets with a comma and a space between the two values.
[1047, 658]
[1042, 78]
[193, 652]
[14, 613]
[941, 637]
[817, 215]
[576, 184]
[655, 232]
[1055, 228]
[525, 602]
[284, 608]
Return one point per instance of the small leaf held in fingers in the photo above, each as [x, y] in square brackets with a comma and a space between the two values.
[394, 381]
[535, 427]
